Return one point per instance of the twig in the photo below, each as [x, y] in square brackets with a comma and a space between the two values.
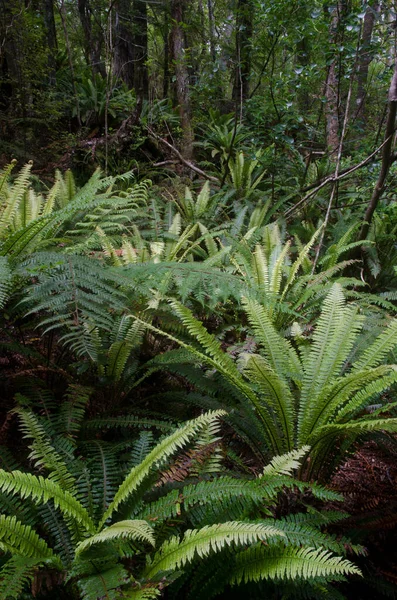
[342, 175]
[183, 160]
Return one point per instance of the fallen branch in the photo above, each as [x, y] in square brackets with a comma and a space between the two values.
[332, 179]
[183, 160]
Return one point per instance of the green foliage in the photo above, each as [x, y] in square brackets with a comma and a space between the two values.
[306, 397]
[97, 550]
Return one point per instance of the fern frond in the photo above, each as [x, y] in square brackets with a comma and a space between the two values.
[5, 280]
[175, 553]
[283, 563]
[14, 197]
[43, 490]
[285, 464]
[379, 349]
[20, 539]
[42, 452]
[16, 574]
[162, 451]
[276, 394]
[122, 530]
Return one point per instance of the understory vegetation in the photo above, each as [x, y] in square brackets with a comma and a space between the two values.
[198, 294]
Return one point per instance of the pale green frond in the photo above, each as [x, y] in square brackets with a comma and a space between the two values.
[260, 268]
[360, 426]
[48, 206]
[130, 255]
[122, 530]
[285, 464]
[277, 270]
[283, 563]
[315, 367]
[42, 490]
[20, 539]
[175, 553]
[158, 455]
[298, 263]
[14, 197]
[202, 200]
[108, 249]
[5, 280]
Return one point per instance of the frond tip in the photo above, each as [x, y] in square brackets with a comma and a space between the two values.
[285, 464]
[122, 530]
[280, 563]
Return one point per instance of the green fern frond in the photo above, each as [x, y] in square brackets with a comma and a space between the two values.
[276, 394]
[285, 464]
[13, 197]
[5, 280]
[42, 452]
[175, 553]
[379, 349]
[280, 563]
[16, 575]
[43, 490]
[20, 539]
[162, 451]
[104, 584]
[122, 530]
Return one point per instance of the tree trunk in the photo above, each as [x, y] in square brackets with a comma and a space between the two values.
[332, 88]
[244, 30]
[386, 157]
[181, 75]
[51, 35]
[123, 50]
[211, 21]
[141, 78]
[364, 59]
[93, 40]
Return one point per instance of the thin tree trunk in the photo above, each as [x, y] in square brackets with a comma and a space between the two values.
[386, 158]
[166, 60]
[364, 60]
[123, 43]
[332, 89]
[211, 21]
[244, 28]
[51, 35]
[92, 41]
[181, 75]
[141, 77]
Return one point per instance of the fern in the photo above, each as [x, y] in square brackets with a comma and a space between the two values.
[16, 574]
[131, 530]
[166, 448]
[22, 539]
[42, 490]
[175, 553]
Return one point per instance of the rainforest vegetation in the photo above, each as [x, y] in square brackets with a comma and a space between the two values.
[198, 294]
